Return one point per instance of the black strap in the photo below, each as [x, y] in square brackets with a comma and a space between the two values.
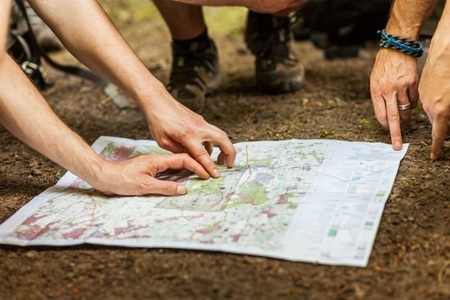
[76, 71]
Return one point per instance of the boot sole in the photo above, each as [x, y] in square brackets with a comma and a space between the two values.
[282, 88]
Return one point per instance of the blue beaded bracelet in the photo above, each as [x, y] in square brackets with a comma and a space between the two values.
[404, 45]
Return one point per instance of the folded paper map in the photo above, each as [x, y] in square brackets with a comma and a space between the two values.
[315, 201]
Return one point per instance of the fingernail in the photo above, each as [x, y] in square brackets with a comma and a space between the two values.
[397, 145]
[216, 173]
[181, 190]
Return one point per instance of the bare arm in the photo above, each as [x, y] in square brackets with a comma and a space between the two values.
[86, 31]
[27, 115]
[5, 9]
[261, 6]
[394, 79]
[434, 87]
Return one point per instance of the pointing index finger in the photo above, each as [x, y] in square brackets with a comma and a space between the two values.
[393, 117]
[439, 131]
[200, 154]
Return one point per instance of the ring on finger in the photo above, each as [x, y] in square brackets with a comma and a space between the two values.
[404, 106]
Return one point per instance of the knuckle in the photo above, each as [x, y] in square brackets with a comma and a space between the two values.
[440, 110]
[233, 151]
[187, 133]
[199, 120]
[222, 135]
[169, 187]
[407, 82]
[396, 136]
[184, 156]
[381, 88]
[393, 117]
[164, 143]
[201, 152]
[437, 138]
[142, 188]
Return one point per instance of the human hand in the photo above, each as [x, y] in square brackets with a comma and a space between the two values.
[434, 91]
[393, 83]
[174, 127]
[136, 177]
[179, 130]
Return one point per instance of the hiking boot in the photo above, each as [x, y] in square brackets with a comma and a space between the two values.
[277, 69]
[195, 73]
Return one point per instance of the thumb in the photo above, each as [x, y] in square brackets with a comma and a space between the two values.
[168, 188]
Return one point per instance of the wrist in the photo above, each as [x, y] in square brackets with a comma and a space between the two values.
[441, 38]
[148, 95]
[401, 44]
[96, 170]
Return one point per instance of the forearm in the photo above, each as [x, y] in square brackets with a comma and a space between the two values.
[441, 38]
[5, 8]
[434, 87]
[408, 17]
[25, 113]
[90, 36]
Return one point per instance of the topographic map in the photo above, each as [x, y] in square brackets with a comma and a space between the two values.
[304, 200]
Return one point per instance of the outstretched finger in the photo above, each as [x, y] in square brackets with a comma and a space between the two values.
[200, 154]
[379, 107]
[413, 96]
[182, 161]
[439, 131]
[404, 107]
[393, 117]
[227, 150]
[172, 146]
[221, 158]
[209, 147]
[168, 188]
[227, 154]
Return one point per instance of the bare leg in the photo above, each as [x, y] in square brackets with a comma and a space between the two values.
[195, 63]
[185, 21]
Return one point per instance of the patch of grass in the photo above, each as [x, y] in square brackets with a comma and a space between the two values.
[124, 11]
[363, 122]
[225, 20]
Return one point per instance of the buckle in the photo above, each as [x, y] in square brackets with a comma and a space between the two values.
[30, 67]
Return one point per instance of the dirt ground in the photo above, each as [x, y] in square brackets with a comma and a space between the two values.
[411, 254]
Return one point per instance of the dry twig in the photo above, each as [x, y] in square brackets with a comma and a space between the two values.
[442, 271]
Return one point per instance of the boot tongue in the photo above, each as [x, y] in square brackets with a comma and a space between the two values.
[278, 45]
[189, 47]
